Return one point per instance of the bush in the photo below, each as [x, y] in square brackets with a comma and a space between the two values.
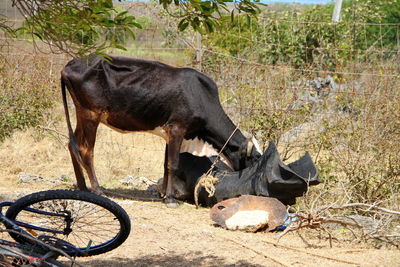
[26, 95]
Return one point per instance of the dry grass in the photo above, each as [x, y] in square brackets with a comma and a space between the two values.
[44, 153]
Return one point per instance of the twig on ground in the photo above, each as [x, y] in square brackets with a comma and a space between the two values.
[370, 230]
[369, 206]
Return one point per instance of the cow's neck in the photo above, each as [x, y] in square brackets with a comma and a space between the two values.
[197, 146]
[226, 132]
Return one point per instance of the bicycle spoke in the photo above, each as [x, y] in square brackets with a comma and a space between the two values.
[79, 218]
[90, 222]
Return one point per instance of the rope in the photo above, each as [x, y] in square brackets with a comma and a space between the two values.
[207, 181]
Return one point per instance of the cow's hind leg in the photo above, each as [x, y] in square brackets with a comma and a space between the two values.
[80, 178]
[175, 138]
[85, 132]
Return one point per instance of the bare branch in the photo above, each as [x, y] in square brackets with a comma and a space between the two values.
[369, 206]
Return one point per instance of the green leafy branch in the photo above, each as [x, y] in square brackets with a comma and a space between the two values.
[204, 16]
[77, 27]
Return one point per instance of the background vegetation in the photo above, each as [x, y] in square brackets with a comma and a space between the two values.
[304, 37]
[349, 118]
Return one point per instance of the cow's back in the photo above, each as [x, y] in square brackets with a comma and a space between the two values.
[151, 92]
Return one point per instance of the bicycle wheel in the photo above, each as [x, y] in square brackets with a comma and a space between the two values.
[92, 223]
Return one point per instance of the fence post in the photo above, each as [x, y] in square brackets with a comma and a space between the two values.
[336, 11]
[199, 51]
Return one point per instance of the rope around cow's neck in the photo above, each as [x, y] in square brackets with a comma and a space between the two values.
[208, 181]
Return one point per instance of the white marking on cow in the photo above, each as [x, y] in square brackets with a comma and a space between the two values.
[159, 131]
[248, 219]
[256, 145]
[200, 148]
[252, 142]
[196, 146]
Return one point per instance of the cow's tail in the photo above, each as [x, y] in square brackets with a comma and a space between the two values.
[72, 138]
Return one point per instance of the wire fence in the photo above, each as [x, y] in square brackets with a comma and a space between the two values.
[310, 85]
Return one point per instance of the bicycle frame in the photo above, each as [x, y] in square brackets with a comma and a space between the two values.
[42, 250]
[16, 225]
[11, 223]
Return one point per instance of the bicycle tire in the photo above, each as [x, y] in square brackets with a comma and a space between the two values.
[88, 229]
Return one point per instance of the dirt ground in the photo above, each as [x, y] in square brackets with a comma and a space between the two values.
[160, 236]
[186, 236]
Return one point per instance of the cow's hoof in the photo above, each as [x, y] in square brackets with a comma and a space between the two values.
[80, 187]
[171, 203]
[98, 191]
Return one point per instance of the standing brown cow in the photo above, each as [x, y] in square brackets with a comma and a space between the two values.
[130, 95]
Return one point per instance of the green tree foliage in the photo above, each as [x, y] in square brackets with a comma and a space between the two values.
[84, 27]
[4, 25]
[382, 18]
[78, 27]
[204, 16]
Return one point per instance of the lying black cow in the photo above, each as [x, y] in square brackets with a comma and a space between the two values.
[178, 104]
[269, 176]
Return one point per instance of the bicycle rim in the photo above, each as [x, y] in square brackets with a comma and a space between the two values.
[98, 224]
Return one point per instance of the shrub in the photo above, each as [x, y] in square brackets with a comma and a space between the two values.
[26, 95]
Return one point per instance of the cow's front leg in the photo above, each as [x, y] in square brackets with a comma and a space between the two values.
[163, 188]
[175, 138]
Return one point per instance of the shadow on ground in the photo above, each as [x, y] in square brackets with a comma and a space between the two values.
[133, 194]
[170, 261]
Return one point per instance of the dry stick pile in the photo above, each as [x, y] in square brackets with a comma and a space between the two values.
[369, 228]
[315, 222]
